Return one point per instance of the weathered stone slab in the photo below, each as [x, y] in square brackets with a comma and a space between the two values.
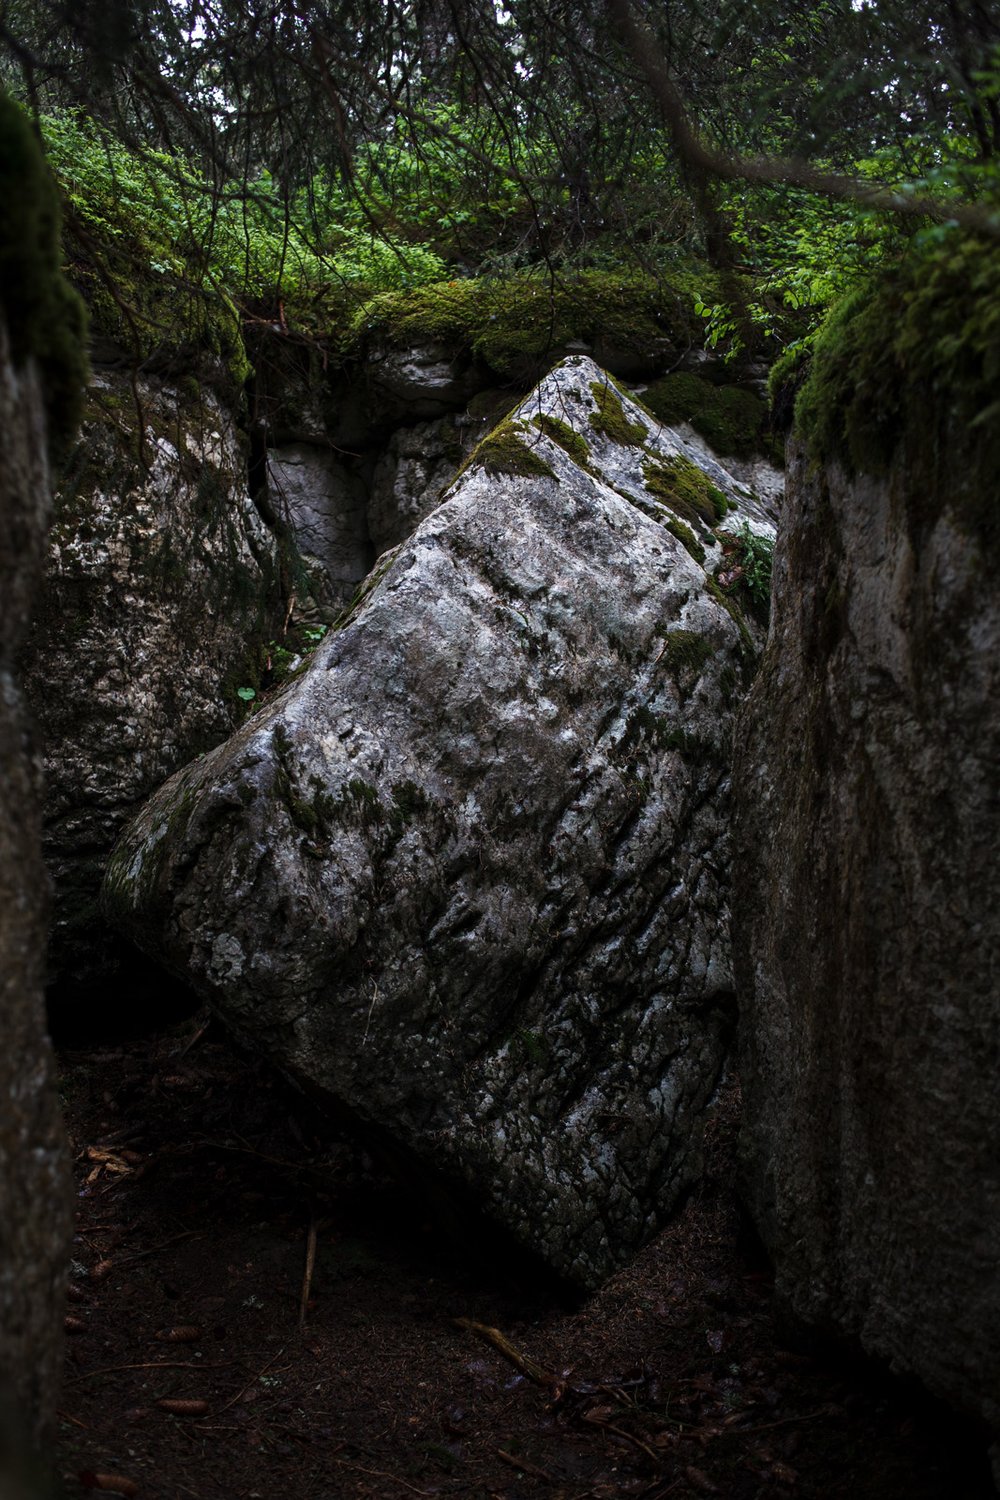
[468, 875]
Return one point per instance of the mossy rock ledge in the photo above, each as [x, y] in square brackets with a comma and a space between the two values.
[493, 807]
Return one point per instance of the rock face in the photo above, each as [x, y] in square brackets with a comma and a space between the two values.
[34, 1185]
[410, 477]
[34, 1181]
[468, 874]
[157, 598]
[866, 905]
[326, 506]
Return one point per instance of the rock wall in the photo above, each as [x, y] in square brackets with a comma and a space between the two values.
[34, 1181]
[866, 879]
[161, 591]
[468, 875]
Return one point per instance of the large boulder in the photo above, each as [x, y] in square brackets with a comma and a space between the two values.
[38, 324]
[468, 875]
[867, 885]
[159, 598]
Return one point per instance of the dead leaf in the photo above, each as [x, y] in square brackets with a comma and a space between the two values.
[598, 1414]
[102, 1269]
[784, 1473]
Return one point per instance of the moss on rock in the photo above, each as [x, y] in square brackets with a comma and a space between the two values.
[911, 363]
[686, 537]
[164, 321]
[506, 451]
[610, 419]
[571, 441]
[44, 316]
[517, 324]
[680, 485]
[730, 419]
[685, 651]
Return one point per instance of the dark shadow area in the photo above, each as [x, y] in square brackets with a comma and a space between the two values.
[259, 1306]
[134, 999]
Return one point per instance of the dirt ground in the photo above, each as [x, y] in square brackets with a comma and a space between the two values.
[211, 1202]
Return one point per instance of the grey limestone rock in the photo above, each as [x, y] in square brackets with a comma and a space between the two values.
[424, 381]
[326, 506]
[157, 595]
[468, 874]
[34, 1179]
[866, 925]
[410, 477]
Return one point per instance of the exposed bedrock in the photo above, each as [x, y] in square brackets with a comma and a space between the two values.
[865, 915]
[468, 874]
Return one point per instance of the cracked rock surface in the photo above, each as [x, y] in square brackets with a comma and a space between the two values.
[468, 875]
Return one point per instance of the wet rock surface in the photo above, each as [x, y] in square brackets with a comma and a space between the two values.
[468, 875]
[865, 925]
[156, 598]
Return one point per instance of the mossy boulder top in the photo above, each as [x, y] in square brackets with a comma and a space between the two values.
[467, 876]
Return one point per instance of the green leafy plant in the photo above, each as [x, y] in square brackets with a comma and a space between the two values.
[756, 557]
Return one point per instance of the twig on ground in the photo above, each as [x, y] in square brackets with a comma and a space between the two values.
[524, 1466]
[156, 1364]
[492, 1336]
[307, 1278]
[252, 1381]
[381, 1474]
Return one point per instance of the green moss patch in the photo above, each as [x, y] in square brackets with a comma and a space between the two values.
[731, 420]
[610, 419]
[686, 536]
[680, 485]
[912, 363]
[505, 451]
[517, 324]
[45, 318]
[685, 652]
[569, 440]
[164, 321]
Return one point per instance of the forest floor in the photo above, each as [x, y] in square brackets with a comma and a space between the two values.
[195, 1371]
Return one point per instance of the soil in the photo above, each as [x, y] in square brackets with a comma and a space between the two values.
[194, 1369]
